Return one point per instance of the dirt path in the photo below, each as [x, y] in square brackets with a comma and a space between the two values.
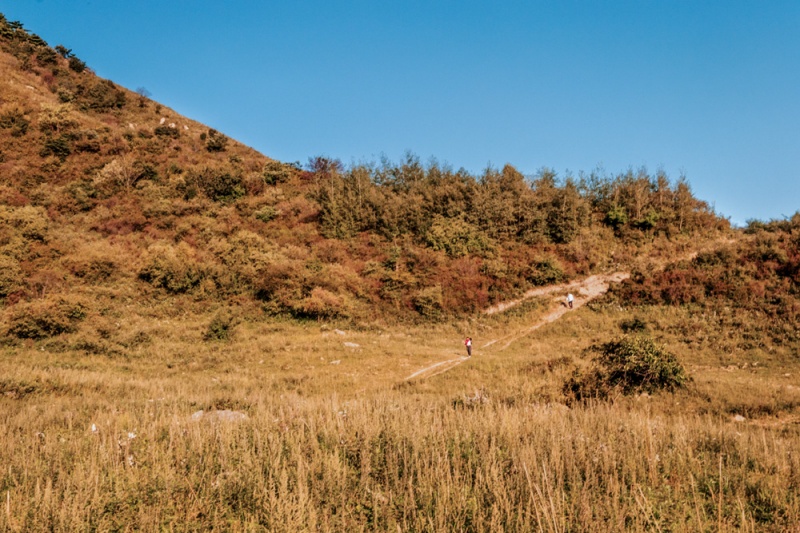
[585, 291]
[437, 368]
[589, 285]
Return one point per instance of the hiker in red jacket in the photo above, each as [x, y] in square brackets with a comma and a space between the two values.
[468, 344]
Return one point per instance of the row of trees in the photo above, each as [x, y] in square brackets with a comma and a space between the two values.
[461, 213]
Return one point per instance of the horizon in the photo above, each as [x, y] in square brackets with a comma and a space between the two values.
[702, 91]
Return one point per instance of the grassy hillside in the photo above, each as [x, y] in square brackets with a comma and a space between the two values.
[151, 268]
[110, 196]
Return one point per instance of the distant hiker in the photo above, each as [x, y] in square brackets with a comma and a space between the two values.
[570, 299]
[468, 344]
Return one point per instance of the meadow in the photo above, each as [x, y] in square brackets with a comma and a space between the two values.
[335, 438]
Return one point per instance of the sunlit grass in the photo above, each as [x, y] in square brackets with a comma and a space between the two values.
[337, 439]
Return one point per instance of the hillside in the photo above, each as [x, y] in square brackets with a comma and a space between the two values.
[194, 336]
[110, 196]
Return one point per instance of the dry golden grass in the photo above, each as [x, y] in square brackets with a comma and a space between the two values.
[336, 439]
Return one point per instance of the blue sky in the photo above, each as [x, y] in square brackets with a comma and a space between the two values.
[707, 89]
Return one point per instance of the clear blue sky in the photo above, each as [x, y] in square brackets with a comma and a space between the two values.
[708, 89]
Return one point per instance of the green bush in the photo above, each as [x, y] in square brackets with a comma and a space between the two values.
[46, 318]
[60, 146]
[616, 216]
[628, 365]
[215, 141]
[545, 272]
[76, 64]
[166, 131]
[47, 56]
[267, 213]
[14, 120]
[218, 184]
[221, 327]
[276, 172]
[101, 95]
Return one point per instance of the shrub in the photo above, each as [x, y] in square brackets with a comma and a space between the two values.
[267, 213]
[76, 64]
[545, 272]
[167, 131]
[635, 324]
[428, 302]
[616, 216]
[215, 141]
[276, 172]
[47, 56]
[628, 365]
[63, 51]
[101, 95]
[29, 221]
[11, 279]
[218, 184]
[457, 237]
[14, 119]
[61, 147]
[172, 268]
[321, 304]
[221, 327]
[47, 318]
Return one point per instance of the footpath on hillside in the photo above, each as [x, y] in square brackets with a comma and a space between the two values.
[585, 291]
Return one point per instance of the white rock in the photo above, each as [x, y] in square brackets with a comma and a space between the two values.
[339, 332]
[336, 362]
[738, 418]
[352, 345]
[163, 120]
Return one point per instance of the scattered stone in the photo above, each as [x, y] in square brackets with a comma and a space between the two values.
[352, 345]
[186, 127]
[162, 121]
[738, 418]
[221, 415]
[339, 332]
[336, 362]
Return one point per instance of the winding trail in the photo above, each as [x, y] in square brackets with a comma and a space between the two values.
[586, 290]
